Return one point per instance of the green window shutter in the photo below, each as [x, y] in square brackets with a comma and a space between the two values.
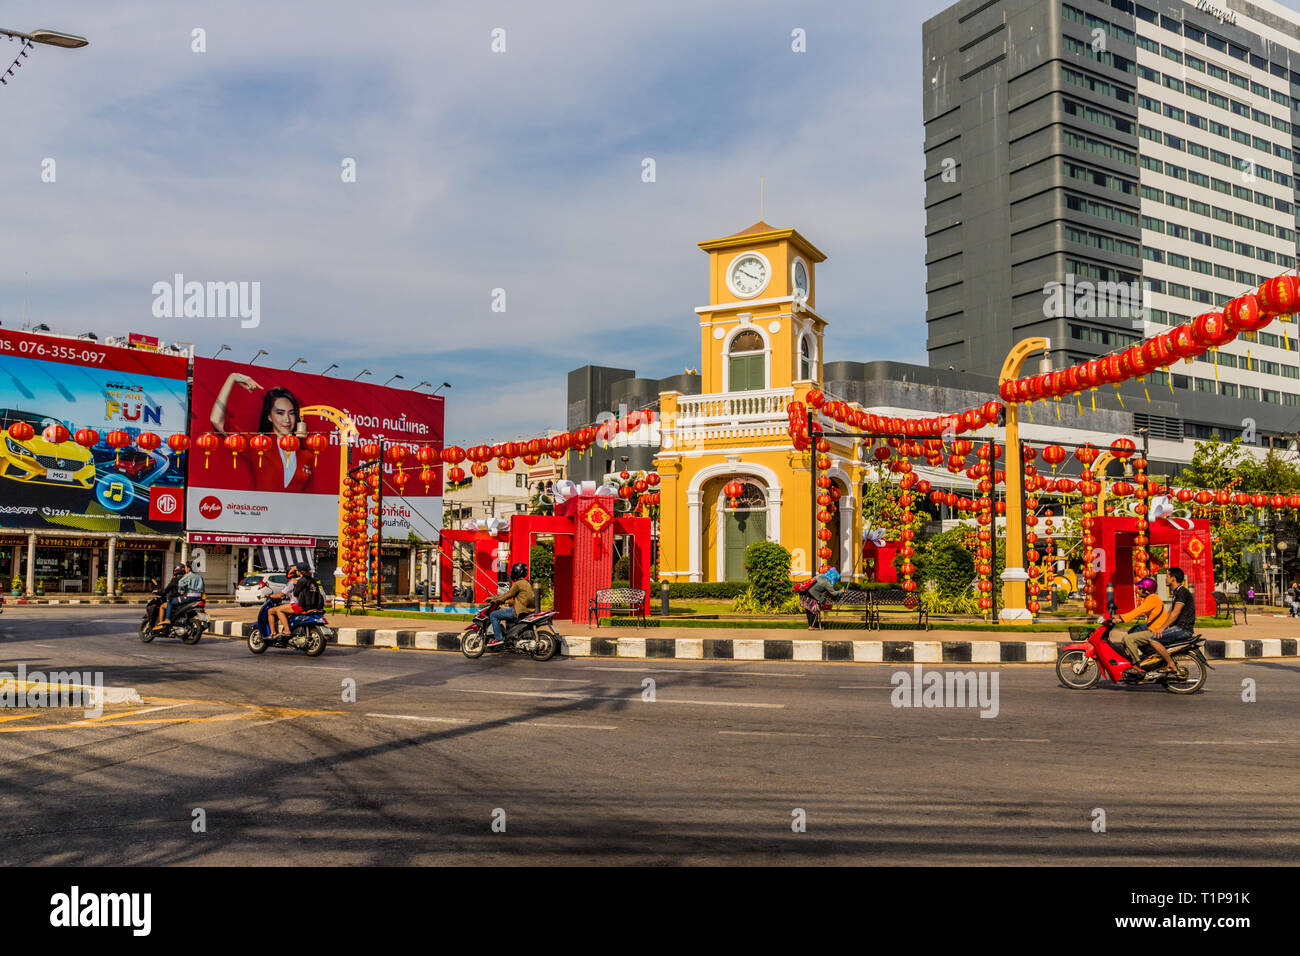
[746, 373]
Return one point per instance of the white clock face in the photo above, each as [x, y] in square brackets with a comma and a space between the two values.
[748, 275]
[800, 281]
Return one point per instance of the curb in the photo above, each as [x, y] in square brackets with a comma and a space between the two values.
[112, 695]
[755, 649]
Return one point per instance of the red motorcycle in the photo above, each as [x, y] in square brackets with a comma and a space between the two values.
[532, 634]
[1079, 666]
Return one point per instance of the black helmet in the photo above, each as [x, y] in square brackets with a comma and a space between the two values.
[518, 570]
[178, 570]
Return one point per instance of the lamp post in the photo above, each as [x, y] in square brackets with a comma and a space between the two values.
[332, 367]
[364, 371]
[295, 362]
[67, 41]
[394, 378]
[440, 387]
[260, 353]
[224, 348]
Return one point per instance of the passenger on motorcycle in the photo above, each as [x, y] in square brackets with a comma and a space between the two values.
[523, 601]
[1178, 626]
[169, 595]
[290, 600]
[1153, 609]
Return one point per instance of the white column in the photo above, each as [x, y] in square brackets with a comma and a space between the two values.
[720, 541]
[31, 564]
[111, 576]
[185, 551]
[774, 514]
[693, 507]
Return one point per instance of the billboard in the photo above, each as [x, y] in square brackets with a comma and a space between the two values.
[80, 384]
[276, 492]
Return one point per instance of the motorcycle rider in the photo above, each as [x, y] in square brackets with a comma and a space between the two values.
[1151, 607]
[522, 598]
[169, 596]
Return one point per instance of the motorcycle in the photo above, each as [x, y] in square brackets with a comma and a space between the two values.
[1080, 665]
[533, 634]
[187, 624]
[308, 632]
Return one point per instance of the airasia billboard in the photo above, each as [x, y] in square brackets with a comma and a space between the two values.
[277, 491]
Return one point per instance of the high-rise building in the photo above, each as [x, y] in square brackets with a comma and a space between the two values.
[1100, 170]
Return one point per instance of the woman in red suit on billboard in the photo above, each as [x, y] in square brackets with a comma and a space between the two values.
[278, 470]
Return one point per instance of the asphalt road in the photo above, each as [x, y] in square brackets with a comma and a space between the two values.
[581, 768]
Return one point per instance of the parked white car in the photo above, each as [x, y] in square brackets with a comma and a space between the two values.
[256, 588]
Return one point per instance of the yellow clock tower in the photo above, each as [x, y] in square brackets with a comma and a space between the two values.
[760, 349]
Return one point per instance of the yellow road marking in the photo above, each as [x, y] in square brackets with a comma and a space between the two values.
[16, 717]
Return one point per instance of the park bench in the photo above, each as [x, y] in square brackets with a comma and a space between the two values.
[854, 603]
[609, 600]
[1228, 607]
[895, 600]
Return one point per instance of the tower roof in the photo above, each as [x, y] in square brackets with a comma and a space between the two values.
[763, 232]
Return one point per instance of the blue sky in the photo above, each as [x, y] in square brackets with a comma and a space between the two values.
[476, 171]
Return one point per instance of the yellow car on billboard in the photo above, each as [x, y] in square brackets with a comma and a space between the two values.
[39, 461]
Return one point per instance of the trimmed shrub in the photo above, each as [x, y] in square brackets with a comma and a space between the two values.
[768, 566]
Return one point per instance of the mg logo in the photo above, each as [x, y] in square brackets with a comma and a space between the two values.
[210, 507]
[167, 503]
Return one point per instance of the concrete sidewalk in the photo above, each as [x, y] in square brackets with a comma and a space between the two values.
[1262, 638]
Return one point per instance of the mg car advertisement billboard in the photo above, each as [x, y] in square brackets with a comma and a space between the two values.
[277, 491]
[81, 384]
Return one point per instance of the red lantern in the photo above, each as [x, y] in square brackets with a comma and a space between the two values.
[57, 434]
[1210, 330]
[1203, 498]
[289, 444]
[86, 437]
[235, 444]
[1243, 314]
[427, 455]
[652, 479]
[21, 431]
[734, 489]
[1279, 296]
[397, 454]
[401, 478]
[260, 444]
[178, 442]
[1122, 448]
[427, 476]
[316, 444]
[207, 443]
[456, 475]
[478, 469]
[505, 464]
[989, 412]
[454, 455]
[1054, 455]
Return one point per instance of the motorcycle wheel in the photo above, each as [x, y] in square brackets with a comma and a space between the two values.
[146, 631]
[472, 644]
[193, 633]
[1196, 674]
[548, 644]
[315, 643]
[257, 643]
[1077, 671]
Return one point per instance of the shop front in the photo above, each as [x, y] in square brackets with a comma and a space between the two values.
[57, 564]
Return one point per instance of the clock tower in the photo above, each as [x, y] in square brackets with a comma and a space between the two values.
[760, 329]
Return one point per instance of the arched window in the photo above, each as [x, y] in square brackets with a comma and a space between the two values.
[807, 367]
[747, 362]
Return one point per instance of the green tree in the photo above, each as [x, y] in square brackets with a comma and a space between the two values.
[541, 567]
[767, 565]
[944, 561]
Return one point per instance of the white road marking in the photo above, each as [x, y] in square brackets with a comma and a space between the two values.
[40, 645]
[553, 726]
[635, 697]
[867, 686]
[164, 707]
[794, 733]
[1223, 743]
[1000, 740]
[428, 720]
[559, 680]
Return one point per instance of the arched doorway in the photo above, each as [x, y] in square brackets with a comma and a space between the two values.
[737, 527]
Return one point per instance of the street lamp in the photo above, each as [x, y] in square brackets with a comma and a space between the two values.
[394, 377]
[295, 362]
[327, 371]
[421, 385]
[68, 41]
[442, 386]
[260, 353]
[364, 371]
[224, 348]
